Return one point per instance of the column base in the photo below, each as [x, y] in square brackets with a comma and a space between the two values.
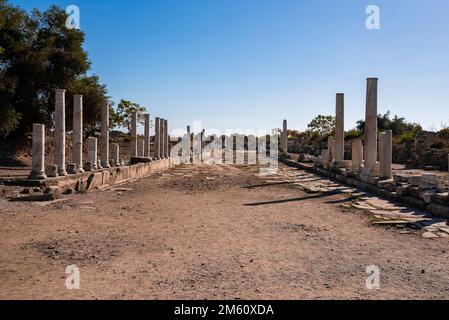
[62, 172]
[37, 175]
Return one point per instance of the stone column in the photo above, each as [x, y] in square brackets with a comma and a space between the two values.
[60, 131]
[78, 133]
[157, 138]
[370, 148]
[38, 153]
[357, 155]
[115, 154]
[161, 139]
[105, 136]
[189, 133]
[339, 152]
[330, 148]
[167, 137]
[134, 134]
[146, 149]
[92, 152]
[385, 153]
[141, 148]
[284, 137]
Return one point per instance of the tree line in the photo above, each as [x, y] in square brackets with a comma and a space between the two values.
[39, 54]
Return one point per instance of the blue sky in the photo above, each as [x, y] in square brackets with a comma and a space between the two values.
[252, 63]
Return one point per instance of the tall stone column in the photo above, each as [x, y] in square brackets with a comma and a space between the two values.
[370, 148]
[284, 137]
[146, 150]
[386, 154]
[60, 131]
[92, 152]
[105, 136]
[78, 133]
[339, 152]
[189, 136]
[157, 138]
[134, 134]
[167, 137]
[115, 154]
[38, 153]
[357, 155]
[162, 138]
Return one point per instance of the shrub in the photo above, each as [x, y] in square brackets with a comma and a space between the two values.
[353, 134]
[407, 136]
[438, 145]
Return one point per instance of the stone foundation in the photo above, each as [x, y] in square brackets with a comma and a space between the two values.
[88, 181]
[419, 192]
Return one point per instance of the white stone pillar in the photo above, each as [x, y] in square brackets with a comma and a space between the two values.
[330, 148]
[92, 152]
[115, 151]
[162, 138]
[38, 153]
[133, 134]
[385, 154]
[284, 137]
[370, 148]
[357, 155]
[167, 137]
[105, 136]
[339, 152]
[140, 148]
[146, 150]
[59, 143]
[78, 133]
[157, 138]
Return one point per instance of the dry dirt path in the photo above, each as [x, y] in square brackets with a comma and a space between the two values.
[212, 233]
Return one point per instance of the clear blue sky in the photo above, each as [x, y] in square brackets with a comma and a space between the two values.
[252, 63]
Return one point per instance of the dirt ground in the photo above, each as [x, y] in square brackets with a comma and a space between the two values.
[211, 232]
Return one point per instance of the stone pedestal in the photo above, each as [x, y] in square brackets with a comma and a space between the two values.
[157, 138]
[385, 154]
[339, 152]
[115, 152]
[357, 155]
[133, 134]
[370, 148]
[60, 131]
[105, 136]
[146, 149]
[92, 152]
[78, 133]
[38, 153]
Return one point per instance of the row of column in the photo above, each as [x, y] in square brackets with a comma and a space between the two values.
[161, 138]
[363, 154]
[92, 163]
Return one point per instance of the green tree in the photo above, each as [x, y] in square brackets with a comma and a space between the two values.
[122, 116]
[37, 55]
[322, 125]
[398, 125]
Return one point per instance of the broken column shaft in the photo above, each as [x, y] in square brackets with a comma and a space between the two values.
[38, 153]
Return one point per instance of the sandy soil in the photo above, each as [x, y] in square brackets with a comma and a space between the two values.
[211, 233]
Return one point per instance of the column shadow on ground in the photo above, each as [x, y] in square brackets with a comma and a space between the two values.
[321, 195]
